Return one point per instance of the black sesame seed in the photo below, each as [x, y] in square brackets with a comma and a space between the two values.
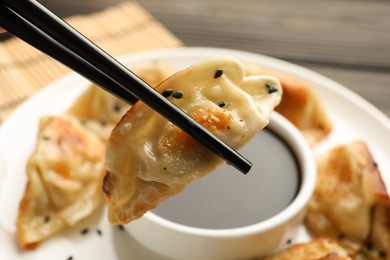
[117, 107]
[228, 127]
[121, 227]
[382, 254]
[177, 95]
[46, 219]
[165, 168]
[99, 232]
[103, 123]
[84, 231]
[271, 88]
[218, 73]
[46, 138]
[168, 92]
[289, 241]
[369, 246]
[221, 104]
[341, 236]
[70, 258]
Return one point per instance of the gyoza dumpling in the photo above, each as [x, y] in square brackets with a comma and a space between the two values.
[350, 202]
[153, 73]
[300, 105]
[149, 159]
[64, 178]
[318, 249]
[100, 110]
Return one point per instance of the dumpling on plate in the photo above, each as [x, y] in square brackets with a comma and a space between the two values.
[153, 72]
[350, 202]
[300, 105]
[377, 245]
[149, 159]
[317, 249]
[64, 178]
[99, 110]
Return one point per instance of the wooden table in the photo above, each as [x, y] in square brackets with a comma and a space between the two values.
[346, 40]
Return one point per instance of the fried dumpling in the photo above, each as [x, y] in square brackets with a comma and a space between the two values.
[377, 245]
[153, 73]
[300, 105]
[99, 110]
[350, 202]
[149, 159]
[64, 178]
[318, 249]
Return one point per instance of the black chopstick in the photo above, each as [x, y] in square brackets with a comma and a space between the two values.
[31, 16]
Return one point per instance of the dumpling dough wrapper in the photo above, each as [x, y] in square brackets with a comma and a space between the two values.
[149, 159]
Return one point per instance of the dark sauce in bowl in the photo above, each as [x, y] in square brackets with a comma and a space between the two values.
[229, 199]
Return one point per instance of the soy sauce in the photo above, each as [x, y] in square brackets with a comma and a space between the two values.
[228, 199]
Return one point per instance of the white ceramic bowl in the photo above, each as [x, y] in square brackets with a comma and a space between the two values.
[178, 241]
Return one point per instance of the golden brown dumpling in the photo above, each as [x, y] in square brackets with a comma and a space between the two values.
[149, 159]
[377, 245]
[99, 110]
[64, 178]
[318, 249]
[300, 105]
[153, 73]
[350, 202]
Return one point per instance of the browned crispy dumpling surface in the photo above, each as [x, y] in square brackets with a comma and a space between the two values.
[318, 249]
[66, 169]
[149, 159]
[350, 202]
[64, 177]
[300, 105]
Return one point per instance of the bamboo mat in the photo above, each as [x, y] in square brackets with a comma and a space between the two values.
[119, 30]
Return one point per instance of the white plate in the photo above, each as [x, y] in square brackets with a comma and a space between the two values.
[353, 118]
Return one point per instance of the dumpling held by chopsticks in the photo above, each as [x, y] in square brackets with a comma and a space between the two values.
[150, 159]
